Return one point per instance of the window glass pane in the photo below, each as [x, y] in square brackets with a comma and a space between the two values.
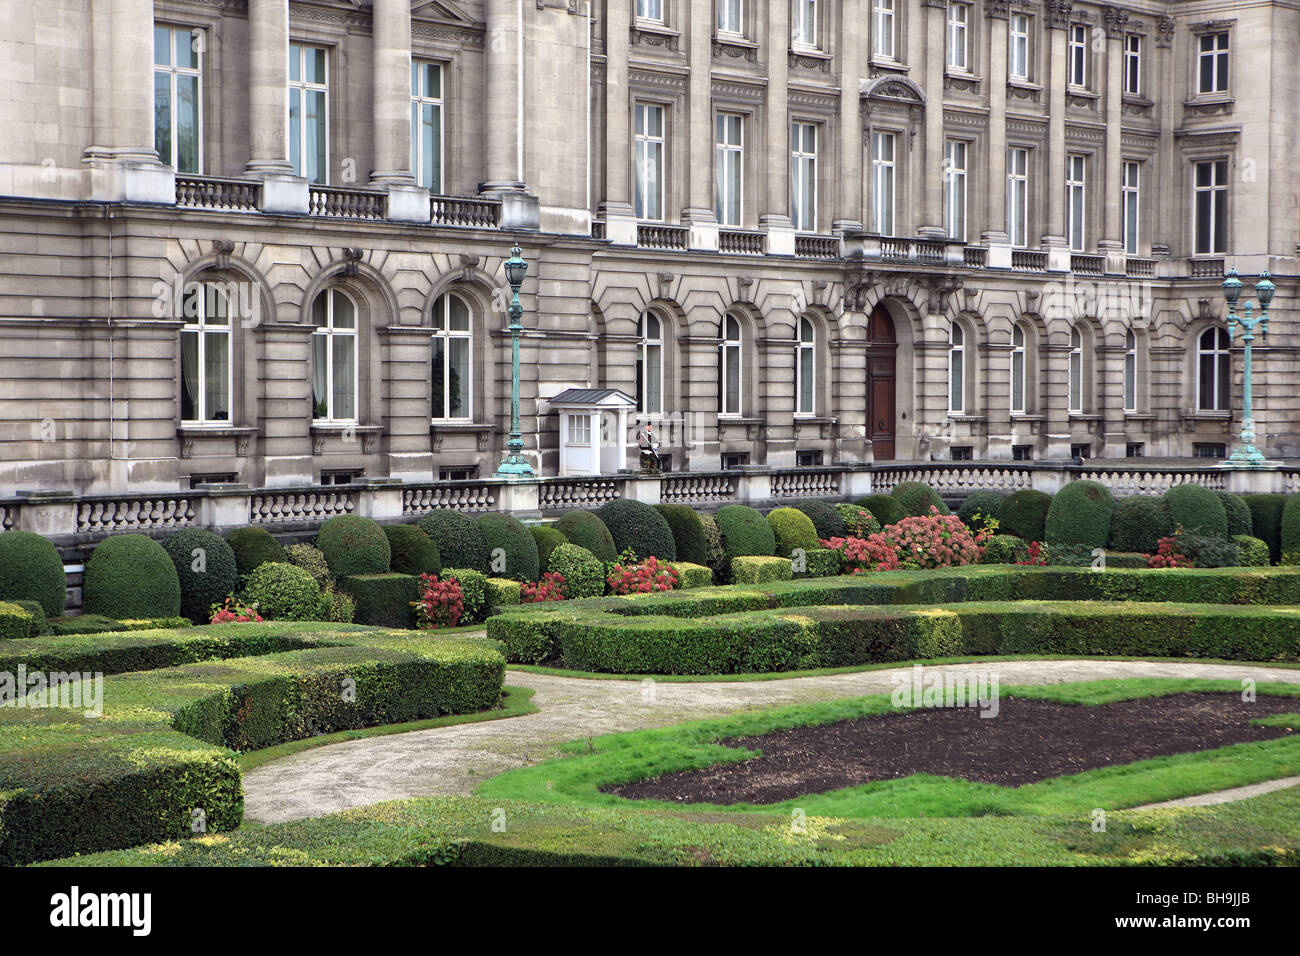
[1018, 381]
[458, 314]
[315, 65]
[1224, 382]
[187, 53]
[807, 357]
[320, 310]
[295, 131]
[345, 370]
[295, 63]
[458, 373]
[162, 46]
[190, 376]
[216, 375]
[1206, 398]
[345, 315]
[955, 376]
[437, 377]
[319, 375]
[162, 117]
[732, 355]
[654, 378]
[187, 124]
[433, 81]
[431, 146]
[315, 136]
[1076, 381]
[1130, 381]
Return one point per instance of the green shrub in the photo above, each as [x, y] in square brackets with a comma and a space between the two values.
[354, 544]
[1237, 511]
[512, 549]
[1208, 552]
[692, 575]
[986, 504]
[84, 624]
[821, 563]
[1024, 514]
[917, 498]
[31, 569]
[16, 622]
[312, 560]
[411, 550]
[858, 521]
[793, 530]
[548, 539]
[129, 575]
[382, 600]
[1080, 515]
[156, 623]
[715, 553]
[586, 530]
[253, 546]
[1254, 552]
[473, 586]
[1197, 511]
[884, 508]
[341, 607]
[1005, 549]
[758, 569]
[744, 532]
[688, 532]
[826, 518]
[459, 539]
[1139, 523]
[502, 593]
[636, 526]
[37, 611]
[583, 572]
[1289, 533]
[1266, 521]
[206, 566]
[284, 592]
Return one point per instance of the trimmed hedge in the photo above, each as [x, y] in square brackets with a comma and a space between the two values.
[984, 503]
[253, 546]
[820, 563]
[1289, 529]
[501, 593]
[383, 600]
[310, 559]
[744, 532]
[1197, 511]
[1139, 523]
[757, 569]
[583, 572]
[1266, 521]
[473, 588]
[31, 569]
[1024, 514]
[16, 622]
[884, 508]
[512, 549]
[858, 521]
[284, 592]
[85, 624]
[792, 530]
[460, 541]
[917, 498]
[354, 544]
[1254, 552]
[1005, 549]
[636, 526]
[1210, 552]
[130, 575]
[715, 553]
[688, 533]
[586, 530]
[411, 550]
[826, 518]
[692, 575]
[548, 539]
[39, 619]
[1080, 514]
[216, 574]
[1237, 511]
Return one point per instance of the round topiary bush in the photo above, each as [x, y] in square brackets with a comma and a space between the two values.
[635, 525]
[253, 546]
[129, 577]
[31, 569]
[284, 592]
[884, 508]
[1080, 515]
[917, 498]
[354, 544]
[1266, 521]
[1139, 523]
[982, 503]
[744, 532]
[206, 566]
[1197, 511]
[548, 539]
[1024, 514]
[1289, 528]
[1004, 549]
[512, 550]
[858, 521]
[791, 529]
[460, 541]
[1238, 513]
[826, 518]
[688, 532]
[586, 530]
[411, 551]
[310, 559]
[715, 554]
[583, 572]
[1254, 552]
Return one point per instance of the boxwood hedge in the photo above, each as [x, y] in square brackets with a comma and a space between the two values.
[826, 518]
[744, 532]
[983, 503]
[636, 526]
[1197, 511]
[383, 600]
[1024, 514]
[793, 530]
[917, 498]
[460, 541]
[548, 539]
[31, 569]
[206, 566]
[1139, 523]
[253, 546]
[354, 544]
[583, 572]
[1080, 514]
[411, 550]
[130, 575]
[1266, 520]
[759, 569]
[884, 508]
[688, 532]
[1237, 511]
[512, 549]
[586, 530]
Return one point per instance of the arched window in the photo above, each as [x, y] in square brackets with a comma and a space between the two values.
[205, 354]
[805, 369]
[1076, 370]
[730, 382]
[1213, 371]
[334, 357]
[1130, 371]
[956, 369]
[1018, 369]
[650, 365]
[451, 362]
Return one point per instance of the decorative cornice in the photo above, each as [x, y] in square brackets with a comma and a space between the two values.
[1058, 14]
[997, 9]
[1164, 32]
[1116, 21]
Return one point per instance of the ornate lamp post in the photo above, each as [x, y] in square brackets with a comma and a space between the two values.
[514, 464]
[1247, 453]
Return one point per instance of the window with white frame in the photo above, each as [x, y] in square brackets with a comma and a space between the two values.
[579, 428]
[1133, 64]
[1212, 63]
[729, 367]
[1018, 196]
[650, 365]
[1018, 357]
[1131, 205]
[958, 23]
[1078, 55]
[729, 158]
[1213, 371]
[1210, 207]
[804, 24]
[731, 17]
[309, 112]
[883, 151]
[1130, 371]
[954, 188]
[803, 176]
[806, 369]
[652, 10]
[206, 383]
[1076, 371]
[1018, 46]
[426, 124]
[649, 150]
[334, 357]
[1076, 168]
[178, 97]
[882, 28]
[956, 369]
[451, 362]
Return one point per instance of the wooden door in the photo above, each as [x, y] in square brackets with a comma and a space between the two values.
[882, 350]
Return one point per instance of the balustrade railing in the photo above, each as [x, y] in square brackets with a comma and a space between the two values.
[302, 505]
[975, 257]
[954, 479]
[1026, 260]
[111, 515]
[806, 484]
[460, 211]
[566, 494]
[209, 192]
[1206, 268]
[690, 488]
[737, 242]
[816, 247]
[650, 236]
[336, 202]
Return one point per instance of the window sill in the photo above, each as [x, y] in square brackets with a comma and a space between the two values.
[966, 417]
[439, 428]
[1209, 416]
[348, 432]
[213, 430]
[888, 65]
[1027, 417]
[1085, 417]
[1139, 416]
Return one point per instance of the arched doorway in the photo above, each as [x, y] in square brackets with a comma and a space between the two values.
[882, 348]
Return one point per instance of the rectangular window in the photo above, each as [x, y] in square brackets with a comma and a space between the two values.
[1075, 198]
[958, 17]
[205, 356]
[458, 473]
[805, 23]
[882, 28]
[1131, 205]
[954, 188]
[340, 476]
[177, 97]
[730, 161]
[579, 429]
[1210, 206]
[1018, 196]
[730, 16]
[1209, 450]
[426, 124]
[308, 112]
[1018, 47]
[1022, 452]
[1135, 449]
[962, 453]
[808, 459]
[882, 182]
[1130, 372]
[1212, 63]
[1078, 55]
[735, 460]
[650, 10]
[803, 176]
[1082, 452]
[1133, 65]
[649, 162]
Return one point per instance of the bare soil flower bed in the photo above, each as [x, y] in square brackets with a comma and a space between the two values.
[1028, 741]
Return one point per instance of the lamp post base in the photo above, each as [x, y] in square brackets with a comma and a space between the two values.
[515, 466]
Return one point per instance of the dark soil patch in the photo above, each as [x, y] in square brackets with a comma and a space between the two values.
[1028, 741]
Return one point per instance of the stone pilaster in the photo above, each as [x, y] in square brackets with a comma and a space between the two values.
[852, 48]
[776, 217]
[699, 212]
[1112, 242]
[996, 227]
[392, 83]
[268, 86]
[935, 13]
[620, 218]
[1054, 240]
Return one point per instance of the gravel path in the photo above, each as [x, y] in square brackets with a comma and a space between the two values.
[454, 760]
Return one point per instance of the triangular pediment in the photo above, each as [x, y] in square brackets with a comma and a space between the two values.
[441, 11]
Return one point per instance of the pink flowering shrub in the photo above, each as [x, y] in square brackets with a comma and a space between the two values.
[549, 588]
[441, 603]
[858, 555]
[649, 575]
[934, 541]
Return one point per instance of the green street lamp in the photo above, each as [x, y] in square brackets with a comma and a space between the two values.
[1247, 453]
[514, 464]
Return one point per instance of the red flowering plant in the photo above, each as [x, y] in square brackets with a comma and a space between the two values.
[235, 611]
[441, 603]
[1169, 554]
[1037, 555]
[934, 541]
[859, 555]
[630, 576]
[549, 588]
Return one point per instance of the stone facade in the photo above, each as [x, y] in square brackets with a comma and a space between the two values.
[539, 131]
